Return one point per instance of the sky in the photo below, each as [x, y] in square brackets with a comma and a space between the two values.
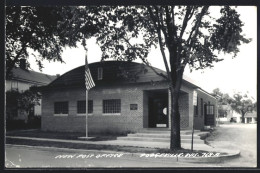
[230, 76]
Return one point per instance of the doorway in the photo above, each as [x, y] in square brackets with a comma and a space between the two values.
[209, 116]
[158, 110]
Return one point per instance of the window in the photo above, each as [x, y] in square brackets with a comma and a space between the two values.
[61, 108]
[14, 85]
[111, 106]
[222, 113]
[100, 73]
[210, 109]
[201, 107]
[81, 107]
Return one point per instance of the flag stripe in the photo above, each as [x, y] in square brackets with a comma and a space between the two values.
[88, 78]
[89, 81]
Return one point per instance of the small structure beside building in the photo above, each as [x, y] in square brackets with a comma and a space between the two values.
[237, 117]
[128, 97]
[250, 117]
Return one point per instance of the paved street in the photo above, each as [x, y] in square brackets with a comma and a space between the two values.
[237, 136]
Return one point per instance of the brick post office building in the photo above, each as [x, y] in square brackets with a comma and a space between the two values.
[128, 97]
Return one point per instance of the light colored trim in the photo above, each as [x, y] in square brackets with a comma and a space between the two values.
[109, 114]
[161, 125]
[205, 93]
[84, 114]
[60, 115]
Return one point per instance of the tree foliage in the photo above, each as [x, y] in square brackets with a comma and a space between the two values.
[28, 99]
[189, 30]
[11, 104]
[45, 30]
[21, 101]
[241, 103]
[223, 98]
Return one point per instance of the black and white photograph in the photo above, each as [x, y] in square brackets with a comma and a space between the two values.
[130, 86]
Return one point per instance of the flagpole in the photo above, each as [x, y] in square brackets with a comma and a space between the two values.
[86, 64]
[86, 113]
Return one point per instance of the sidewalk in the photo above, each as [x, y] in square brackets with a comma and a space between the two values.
[153, 145]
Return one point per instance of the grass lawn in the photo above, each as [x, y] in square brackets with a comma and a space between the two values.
[37, 133]
[128, 149]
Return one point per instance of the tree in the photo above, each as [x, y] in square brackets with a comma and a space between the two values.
[242, 104]
[223, 98]
[189, 34]
[45, 30]
[11, 104]
[21, 101]
[27, 100]
[255, 106]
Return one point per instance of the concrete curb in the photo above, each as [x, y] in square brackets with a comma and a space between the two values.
[196, 159]
[210, 159]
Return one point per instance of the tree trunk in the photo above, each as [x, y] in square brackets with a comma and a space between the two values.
[175, 114]
[175, 121]
[243, 116]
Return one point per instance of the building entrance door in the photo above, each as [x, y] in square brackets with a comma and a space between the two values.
[209, 115]
[158, 112]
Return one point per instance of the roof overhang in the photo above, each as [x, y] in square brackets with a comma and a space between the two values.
[205, 92]
[28, 81]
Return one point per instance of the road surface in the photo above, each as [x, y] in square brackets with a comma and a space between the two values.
[237, 136]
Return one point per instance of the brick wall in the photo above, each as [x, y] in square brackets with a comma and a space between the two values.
[145, 109]
[128, 120]
[199, 119]
[184, 108]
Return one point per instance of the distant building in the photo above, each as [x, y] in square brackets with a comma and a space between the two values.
[226, 114]
[128, 97]
[21, 80]
[250, 117]
[237, 117]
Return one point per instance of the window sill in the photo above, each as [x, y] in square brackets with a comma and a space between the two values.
[84, 114]
[60, 115]
[110, 114]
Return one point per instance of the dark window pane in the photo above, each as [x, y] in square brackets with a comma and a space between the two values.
[61, 108]
[112, 106]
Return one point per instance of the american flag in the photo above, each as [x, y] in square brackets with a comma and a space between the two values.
[88, 78]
